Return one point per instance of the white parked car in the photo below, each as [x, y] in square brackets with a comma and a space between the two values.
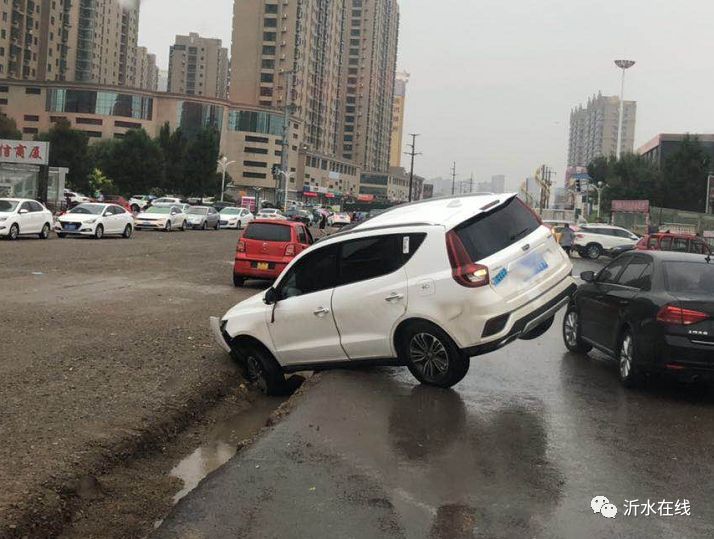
[23, 217]
[338, 220]
[425, 285]
[593, 241]
[97, 220]
[164, 202]
[235, 217]
[139, 202]
[76, 198]
[270, 213]
[166, 218]
[202, 217]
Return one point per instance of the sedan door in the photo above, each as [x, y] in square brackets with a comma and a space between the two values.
[301, 323]
[371, 295]
[112, 221]
[26, 219]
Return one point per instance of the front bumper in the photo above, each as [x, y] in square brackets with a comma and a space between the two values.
[217, 331]
[550, 303]
[149, 225]
[83, 230]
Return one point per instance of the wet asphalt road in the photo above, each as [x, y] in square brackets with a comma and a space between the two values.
[518, 449]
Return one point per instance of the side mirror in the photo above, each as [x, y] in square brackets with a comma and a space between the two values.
[23, 212]
[588, 276]
[271, 297]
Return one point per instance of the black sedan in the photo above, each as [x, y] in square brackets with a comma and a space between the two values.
[652, 311]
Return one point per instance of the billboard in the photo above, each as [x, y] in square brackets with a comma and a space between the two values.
[631, 206]
[23, 152]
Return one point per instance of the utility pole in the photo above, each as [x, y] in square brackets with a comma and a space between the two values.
[413, 153]
[471, 184]
[709, 193]
[453, 179]
[284, 161]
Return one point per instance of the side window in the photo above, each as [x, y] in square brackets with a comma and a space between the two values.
[681, 245]
[373, 257]
[25, 206]
[699, 247]
[621, 233]
[634, 272]
[314, 272]
[609, 274]
[665, 244]
[35, 206]
[302, 237]
[652, 243]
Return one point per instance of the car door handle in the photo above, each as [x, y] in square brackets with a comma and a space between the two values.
[394, 297]
[321, 311]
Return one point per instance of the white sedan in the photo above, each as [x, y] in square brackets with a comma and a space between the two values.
[166, 202]
[76, 198]
[339, 220]
[21, 217]
[271, 213]
[235, 217]
[96, 220]
[166, 218]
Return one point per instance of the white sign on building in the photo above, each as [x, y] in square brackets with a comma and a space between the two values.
[24, 152]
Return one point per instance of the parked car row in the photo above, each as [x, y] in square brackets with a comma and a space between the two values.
[24, 217]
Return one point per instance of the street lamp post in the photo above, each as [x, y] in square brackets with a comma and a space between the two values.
[223, 164]
[600, 187]
[624, 65]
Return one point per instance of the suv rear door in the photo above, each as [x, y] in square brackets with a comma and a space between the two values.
[510, 242]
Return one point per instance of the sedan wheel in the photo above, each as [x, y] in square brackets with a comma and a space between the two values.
[183, 226]
[14, 232]
[128, 232]
[240, 225]
[99, 232]
[204, 226]
[168, 226]
[45, 232]
[571, 333]
[628, 370]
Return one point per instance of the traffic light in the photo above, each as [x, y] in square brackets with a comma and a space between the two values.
[577, 185]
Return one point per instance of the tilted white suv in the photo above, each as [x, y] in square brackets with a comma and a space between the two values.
[593, 241]
[426, 285]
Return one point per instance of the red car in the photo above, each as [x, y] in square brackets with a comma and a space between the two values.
[267, 247]
[119, 201]
[669, 241]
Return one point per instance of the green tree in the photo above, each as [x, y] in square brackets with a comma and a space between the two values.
[684, 176]
[69, 148]
[134, 163]
[174, 147]
[99, 182]
[200, 163]
[632, 177]
[8, 128]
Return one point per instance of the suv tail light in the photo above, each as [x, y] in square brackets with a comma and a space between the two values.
[241, 246]
[671, 314]
[290, 249]
[464, 271]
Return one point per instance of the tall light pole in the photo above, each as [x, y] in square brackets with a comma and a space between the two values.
[413, 153]
[624, 65]
[287, 109]
[453, 179]
[223, 164]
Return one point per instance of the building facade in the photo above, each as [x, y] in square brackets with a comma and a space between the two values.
[593, 129]
[198, 66]
[147, 73]
[397, 145]
[661, 147]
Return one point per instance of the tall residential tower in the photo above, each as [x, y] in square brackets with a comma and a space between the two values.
[198, 66]
[400, 92]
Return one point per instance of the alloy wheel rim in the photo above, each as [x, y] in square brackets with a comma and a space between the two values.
[428, 355]
[45, 231]
[13, 232]
[626, 357]
[594, 251]
[100, 232]
[255, 372]
[571, 328]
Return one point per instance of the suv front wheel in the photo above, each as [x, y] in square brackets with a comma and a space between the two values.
[431, 355]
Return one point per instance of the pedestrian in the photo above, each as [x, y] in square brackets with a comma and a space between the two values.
[567, 239]
[323, 222]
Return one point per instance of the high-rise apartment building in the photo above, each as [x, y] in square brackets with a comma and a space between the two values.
[147, 73]
[400, 92]
[593, 129]
[73, 40]
[498, 184]
[371, 39]
[296, 42]
[198, 66]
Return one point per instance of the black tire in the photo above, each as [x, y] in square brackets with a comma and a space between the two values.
[627, 361]
[99, 232]
[539, 330]
[261, 368]
[168, 227]
[431, 355]
[218, 226]
[204, 226]
[45, 234]
[183, 226]
[14, 232]
[572, 332]
[593, 251]
[128, 232]
[238, 281]
[61, 235]
[240, 225]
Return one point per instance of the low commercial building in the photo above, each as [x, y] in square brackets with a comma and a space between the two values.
[661, 147]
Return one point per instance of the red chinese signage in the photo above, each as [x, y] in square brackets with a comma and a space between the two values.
[631, 206]
[310, 194]
[24, 152]
[365, 198]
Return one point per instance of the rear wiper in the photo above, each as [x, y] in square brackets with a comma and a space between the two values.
[518, 235]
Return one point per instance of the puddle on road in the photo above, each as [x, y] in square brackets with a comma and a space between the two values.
[220, 443]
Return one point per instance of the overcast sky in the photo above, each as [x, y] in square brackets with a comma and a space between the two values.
[493, 81]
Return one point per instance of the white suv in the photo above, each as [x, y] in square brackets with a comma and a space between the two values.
[593, 241]
[426, 285]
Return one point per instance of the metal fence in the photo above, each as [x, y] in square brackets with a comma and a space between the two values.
[665, 219]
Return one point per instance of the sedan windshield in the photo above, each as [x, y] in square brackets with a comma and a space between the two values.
[8, 206]
[88, 209]
[690, 277]
[161, 210]
[230, 211]
[197, 211]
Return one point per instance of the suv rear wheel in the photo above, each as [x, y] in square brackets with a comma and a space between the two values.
[431, 355]
[593, 251]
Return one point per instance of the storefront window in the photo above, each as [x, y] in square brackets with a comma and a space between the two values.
[193, 116]
[101, 103]
[255, 122]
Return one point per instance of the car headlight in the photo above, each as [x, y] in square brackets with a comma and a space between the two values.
[90, 222]
[3, 219]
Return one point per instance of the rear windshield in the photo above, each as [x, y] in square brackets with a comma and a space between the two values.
[487, 234]
[692, 277]
[267, 232]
